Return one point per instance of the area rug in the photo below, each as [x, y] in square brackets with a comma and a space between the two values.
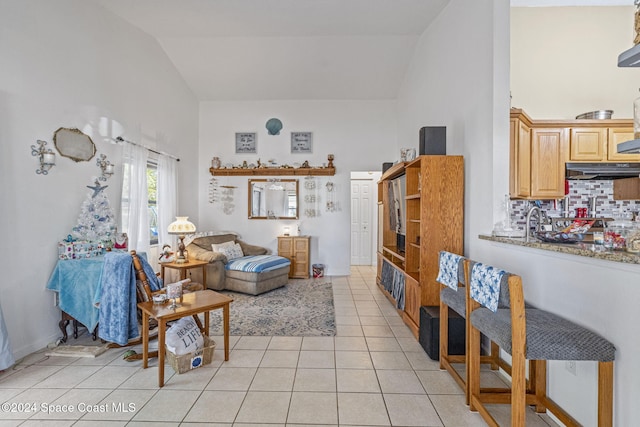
[303, 307]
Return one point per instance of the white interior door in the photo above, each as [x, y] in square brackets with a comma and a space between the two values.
[361, 209]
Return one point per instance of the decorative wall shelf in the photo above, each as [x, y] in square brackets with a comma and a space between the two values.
[273, 171]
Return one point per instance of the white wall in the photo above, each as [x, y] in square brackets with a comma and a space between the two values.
[361, 135]
[564, 61]
[450, 83]
[459, 78]
[70, 63]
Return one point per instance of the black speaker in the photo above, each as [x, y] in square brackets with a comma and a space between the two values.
[429, 336]
[386, 166]
[433, 140]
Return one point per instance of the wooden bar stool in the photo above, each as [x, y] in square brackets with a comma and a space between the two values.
[454, 295]
[533, 334]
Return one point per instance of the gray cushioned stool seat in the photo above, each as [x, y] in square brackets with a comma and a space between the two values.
[549, 337]
[455, 300]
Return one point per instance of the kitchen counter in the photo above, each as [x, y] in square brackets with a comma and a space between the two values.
[580, 249]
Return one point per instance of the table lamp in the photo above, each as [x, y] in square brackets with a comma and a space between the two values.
[181, 227]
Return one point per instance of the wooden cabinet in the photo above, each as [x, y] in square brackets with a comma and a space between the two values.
[600, 144]
[618, 135]
[548, 156]
[588, 144]
[540, 149]
[296, 250]
[537, 158]
[520, 158]
[434, 221]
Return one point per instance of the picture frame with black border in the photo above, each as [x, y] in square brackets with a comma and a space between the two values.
[246, 142]
[301, 142]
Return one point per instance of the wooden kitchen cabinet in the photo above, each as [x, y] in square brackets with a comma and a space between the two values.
[537, 158]
[540, 149]
[296, 250]
[588, 144]
[548, 156]
[600, 144]
[520, 158]
[617, 136]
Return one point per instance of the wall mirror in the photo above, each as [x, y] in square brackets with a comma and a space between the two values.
[273, 199]
[74, 144]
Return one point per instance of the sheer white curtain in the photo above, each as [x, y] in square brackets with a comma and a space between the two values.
[167, 198]
[135, 198]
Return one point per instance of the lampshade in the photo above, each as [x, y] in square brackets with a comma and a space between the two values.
[181, 226]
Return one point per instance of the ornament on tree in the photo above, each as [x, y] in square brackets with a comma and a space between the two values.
[96, 221]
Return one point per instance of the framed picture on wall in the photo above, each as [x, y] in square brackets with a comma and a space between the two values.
[301, 142]
[245, 143]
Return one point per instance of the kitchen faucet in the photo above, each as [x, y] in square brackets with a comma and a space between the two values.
[529, 215]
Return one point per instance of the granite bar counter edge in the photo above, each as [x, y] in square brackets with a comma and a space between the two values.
[580, 249]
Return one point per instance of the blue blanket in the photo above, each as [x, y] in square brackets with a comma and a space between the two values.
[257, 263]
[77, 282]
[117, 297]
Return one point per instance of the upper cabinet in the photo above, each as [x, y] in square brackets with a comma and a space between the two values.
[618, 135]
[600, 144]
[539, 150]
[548, 156]
[588, 144]
[537, 159]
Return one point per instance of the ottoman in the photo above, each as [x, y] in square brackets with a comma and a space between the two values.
[256, 274]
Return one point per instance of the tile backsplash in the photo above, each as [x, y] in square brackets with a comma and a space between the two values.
[579, 193]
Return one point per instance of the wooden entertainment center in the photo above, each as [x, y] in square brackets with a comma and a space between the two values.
[432, 210]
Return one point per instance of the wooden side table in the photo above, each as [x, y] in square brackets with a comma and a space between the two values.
[183, 269]
[191, 303]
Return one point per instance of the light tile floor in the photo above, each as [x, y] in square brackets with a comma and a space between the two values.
[372, 373]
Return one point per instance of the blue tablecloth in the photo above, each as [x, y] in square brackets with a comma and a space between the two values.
[102, 290]
[77, 282]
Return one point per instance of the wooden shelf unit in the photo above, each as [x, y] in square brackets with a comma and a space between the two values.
[434, 220]
[273, 172]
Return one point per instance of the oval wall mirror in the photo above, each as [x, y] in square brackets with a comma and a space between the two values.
[273, 199]
[74, 144]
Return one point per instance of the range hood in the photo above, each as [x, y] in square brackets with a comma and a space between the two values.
[629, 147]
[630, 58]
[602, 170]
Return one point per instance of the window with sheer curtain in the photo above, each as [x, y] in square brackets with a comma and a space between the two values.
[148, 197]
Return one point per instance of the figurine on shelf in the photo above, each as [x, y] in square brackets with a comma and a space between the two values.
[330, 158]
[245, 165]
[305, 164]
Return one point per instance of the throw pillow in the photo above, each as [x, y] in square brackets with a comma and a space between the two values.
[232, 252]
[184, 337]
[218, 247]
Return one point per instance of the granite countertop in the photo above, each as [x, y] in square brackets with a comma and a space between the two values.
[581, 249]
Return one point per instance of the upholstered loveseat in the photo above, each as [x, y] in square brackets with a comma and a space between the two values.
[218, 277]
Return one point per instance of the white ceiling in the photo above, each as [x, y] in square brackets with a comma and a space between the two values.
[285, 49]
[290, 49]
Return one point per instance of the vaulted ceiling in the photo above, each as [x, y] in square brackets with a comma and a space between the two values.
[291, 49]
[285, 49]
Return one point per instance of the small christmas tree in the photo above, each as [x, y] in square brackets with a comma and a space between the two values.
[96, 220]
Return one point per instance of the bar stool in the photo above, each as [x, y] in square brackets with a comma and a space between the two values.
[454, 295]
[534, 334]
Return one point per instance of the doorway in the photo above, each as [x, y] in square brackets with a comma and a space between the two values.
[364, 217]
